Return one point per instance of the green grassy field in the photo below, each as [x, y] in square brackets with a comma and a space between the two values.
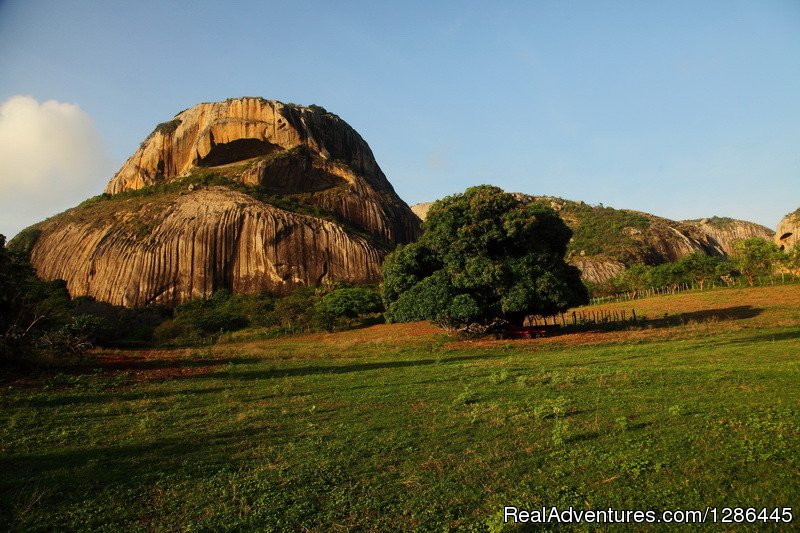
[400, 427]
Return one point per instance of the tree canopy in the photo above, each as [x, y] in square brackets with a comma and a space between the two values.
[485, 258]
[756, 257]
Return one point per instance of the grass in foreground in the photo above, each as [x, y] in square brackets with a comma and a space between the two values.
[397, 427]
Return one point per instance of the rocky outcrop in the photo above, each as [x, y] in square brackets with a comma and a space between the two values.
[285, 148]
[722, 232]
[788, 233]
[247, 194]
[606, 239]
[169, 248]
[596, 269]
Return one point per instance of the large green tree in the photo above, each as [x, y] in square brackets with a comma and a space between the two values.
[756, 257]
[485, 258]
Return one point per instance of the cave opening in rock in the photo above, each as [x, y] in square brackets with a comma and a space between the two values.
[785, 236]
[237, 150]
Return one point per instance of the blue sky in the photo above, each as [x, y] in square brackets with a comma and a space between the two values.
[682, 109]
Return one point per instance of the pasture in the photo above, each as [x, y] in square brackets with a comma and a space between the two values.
[401, 427]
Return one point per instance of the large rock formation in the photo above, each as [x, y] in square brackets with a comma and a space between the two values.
[246, 194]
[286, 149]
[723, 232]
[605, 240]
[788, 233]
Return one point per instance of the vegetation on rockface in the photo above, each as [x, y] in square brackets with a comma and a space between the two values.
[485, 259]
[604, 230]
[165, 128]
[25, 240]
[716, 222]
[202, 178]
[630, 237]
[96, 208]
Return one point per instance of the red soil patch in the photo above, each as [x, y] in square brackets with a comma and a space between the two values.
[155, 365]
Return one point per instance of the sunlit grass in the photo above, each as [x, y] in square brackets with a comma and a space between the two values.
[385, 428]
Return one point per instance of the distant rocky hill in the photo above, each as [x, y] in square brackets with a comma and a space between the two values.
[788, 234]
[246, 194]
[606, 240]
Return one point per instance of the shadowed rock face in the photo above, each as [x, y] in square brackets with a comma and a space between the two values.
[177, 239]
[788, 234]
[652, 240]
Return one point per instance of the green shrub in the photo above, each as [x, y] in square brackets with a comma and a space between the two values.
[296, 308]
[348, 307]
[75, 337]
[211, 315]
[351, 302]
[756, 257]
[428, 299]
[165, 128]
[32, 312]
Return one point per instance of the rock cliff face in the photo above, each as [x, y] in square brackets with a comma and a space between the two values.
[606, 239]
[722, 233]
[170, 248]
[788, 234]
[596, 269]
[287, 149]
[247, 194]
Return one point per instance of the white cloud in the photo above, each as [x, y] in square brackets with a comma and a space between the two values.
[51, 158]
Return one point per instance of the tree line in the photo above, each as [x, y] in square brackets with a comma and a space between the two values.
[753, 260]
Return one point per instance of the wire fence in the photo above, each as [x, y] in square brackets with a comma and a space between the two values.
[637, 294]
[581, 318]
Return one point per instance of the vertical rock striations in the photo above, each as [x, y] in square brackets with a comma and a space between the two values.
[171, 248]
[287, 149]
[723, 232]
[247, 194]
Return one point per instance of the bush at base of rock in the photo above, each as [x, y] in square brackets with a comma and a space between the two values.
[349, 307]
[328, 308]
